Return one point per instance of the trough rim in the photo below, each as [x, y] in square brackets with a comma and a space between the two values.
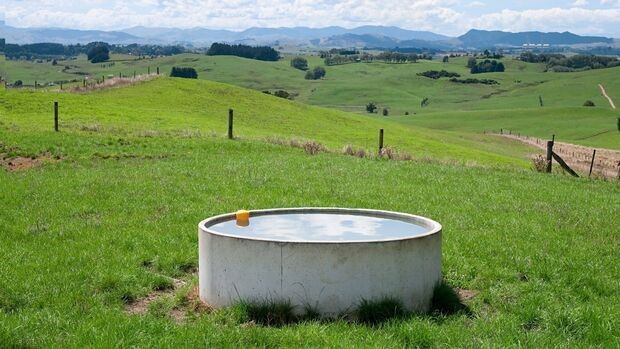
[433, 226]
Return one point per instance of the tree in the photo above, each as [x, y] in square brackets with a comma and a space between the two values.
[184, 72]
[319, 72]
[299, 63]
[371, 107]
[487, 53]
[54, 62]
[471, 62]
[99, 52]
[385, 112]
[17, 83]
[446, 59]
[315, 74]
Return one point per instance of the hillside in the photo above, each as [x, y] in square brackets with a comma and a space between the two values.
[489, 38]
[513, 103]
[201, 107]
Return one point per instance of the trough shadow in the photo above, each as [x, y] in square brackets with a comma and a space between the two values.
[447, 301]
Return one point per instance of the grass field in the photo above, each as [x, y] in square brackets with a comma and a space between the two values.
[513, 104]
[84, 235]
[109, 215]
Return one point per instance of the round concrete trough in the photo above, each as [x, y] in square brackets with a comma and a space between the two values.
[328, 272]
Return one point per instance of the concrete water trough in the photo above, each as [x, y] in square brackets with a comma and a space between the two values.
[328, 259]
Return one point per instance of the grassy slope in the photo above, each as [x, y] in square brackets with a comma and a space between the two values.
[180, 105]
[512, 104]
[75, 235]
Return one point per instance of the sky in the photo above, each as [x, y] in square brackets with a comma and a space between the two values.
[449, 17]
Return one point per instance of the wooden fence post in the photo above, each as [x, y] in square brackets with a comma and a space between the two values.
[83, 82]
[549, 156]
[134, 74]
[553, 138]
[380, 141]
[61, 85]
[56, 116]
[230, 124]
[501, 131]
[592, 163]
[102, 78]
[157, 70]
[148, 70]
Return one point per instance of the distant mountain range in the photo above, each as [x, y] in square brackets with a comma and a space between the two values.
[382, 37]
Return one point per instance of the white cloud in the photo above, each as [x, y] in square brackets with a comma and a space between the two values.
[580, 3]
[443, 16]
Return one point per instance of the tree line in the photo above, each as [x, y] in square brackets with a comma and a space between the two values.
[261, 53]
[385, 57]
[562, 63]
[59, 51]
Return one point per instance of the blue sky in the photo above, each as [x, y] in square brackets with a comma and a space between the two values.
[451, 17]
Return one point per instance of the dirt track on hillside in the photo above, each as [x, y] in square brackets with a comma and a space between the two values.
[604, 93]
[578, 157]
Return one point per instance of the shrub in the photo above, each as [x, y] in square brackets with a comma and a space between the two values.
[434, 74]
[17, 83]
[475, 81]
[588, 103]
[282, 94]
[315, 74]
[371, 107]
[385, 112]
[184, 72]
[299, 63]
[424, 102]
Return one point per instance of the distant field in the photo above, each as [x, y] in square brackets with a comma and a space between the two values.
[472, 107]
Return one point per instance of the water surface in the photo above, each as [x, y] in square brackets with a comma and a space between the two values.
[320, 227]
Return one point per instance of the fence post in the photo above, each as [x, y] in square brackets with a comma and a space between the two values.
[230, 124]
[148, 70]
[501, 131]
[553, 138]
[102, 78]
[549, 156]
[157, 70]
[134, 74]
[592, 163]
[35, 84]
[56, 116]
[83, 82]
[61, 85]
[119, 75]
[380, 141]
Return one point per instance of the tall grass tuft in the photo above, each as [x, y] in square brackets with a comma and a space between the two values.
[539, 163]
[270, 313]
[375, 312]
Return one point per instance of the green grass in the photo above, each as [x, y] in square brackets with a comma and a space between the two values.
[116, 216]
[175, 106]
[83, 236]
[472, 108]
